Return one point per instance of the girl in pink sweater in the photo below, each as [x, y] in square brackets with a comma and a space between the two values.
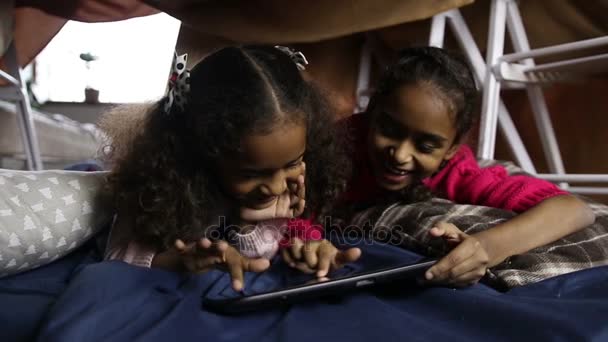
[411, 138]
[214, 172]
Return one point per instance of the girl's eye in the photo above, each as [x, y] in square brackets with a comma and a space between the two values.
[294, 165]
[249, 174]
[426, 147]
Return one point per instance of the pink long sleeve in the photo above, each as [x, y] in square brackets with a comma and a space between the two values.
[269, 236]
[304, 229]
[463, 181]
[121, 247]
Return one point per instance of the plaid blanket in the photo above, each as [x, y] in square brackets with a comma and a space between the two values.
[407, 225]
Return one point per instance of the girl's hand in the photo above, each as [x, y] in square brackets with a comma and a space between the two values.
[289, 204]
[317, 256]
[465, 265]
[203, 255]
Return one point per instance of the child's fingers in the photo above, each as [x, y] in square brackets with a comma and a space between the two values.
[296, 255]
[296, 248]
[326, 257]
[202, 246]
[205, 264]
[255, 265]
[440, 233]
[296, 197]
[317, 280]
[236, 265]
[470, 278]
[300, 170]
[437, 232]
[236, 274]
[450, 231]
[292, 261]
[221, 249]
[293, 193]
[235, 268]
[299, 209]
[297, 189]
[349, 255]
[287, 257]
[310, 254]
[204, 243]
[205, 248]
[180, 245]
[450, 234]
[293, 187]
[440, 271]
[221, 246]
[283, 208]
[471, 264]
[183, 248]
[303, 168]
[301, 187]
[303, 267]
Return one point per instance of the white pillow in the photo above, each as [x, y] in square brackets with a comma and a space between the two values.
[46, 214]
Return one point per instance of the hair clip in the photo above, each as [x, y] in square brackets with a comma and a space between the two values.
[179, 83]
[296, 56]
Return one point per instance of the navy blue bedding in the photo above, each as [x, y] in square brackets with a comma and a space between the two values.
[25, 298]
[78, 299]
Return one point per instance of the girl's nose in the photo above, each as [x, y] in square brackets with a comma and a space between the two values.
[403, 153]
[276, 185]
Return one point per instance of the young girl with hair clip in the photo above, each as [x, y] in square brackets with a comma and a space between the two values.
[216, 168]
[410, 142]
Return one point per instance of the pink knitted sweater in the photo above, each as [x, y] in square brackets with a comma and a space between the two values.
[461, 180]
[264, 241]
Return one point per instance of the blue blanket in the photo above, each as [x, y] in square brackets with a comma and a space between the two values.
[77, 299]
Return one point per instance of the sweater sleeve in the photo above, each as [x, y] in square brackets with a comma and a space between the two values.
[304, 229]
[463, 181]
[121, 247]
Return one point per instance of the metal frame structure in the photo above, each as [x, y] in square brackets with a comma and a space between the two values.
[521, 67]
[16, 91]
[516, 70]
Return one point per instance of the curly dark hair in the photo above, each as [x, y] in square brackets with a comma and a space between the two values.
[450, 75]
[162, 164]
[446, 71]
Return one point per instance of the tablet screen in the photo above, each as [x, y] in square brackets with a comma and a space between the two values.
[280, 276]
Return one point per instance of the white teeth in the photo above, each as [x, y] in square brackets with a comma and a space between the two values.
[398, 172]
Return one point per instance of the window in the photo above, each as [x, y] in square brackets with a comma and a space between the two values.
[133, 65]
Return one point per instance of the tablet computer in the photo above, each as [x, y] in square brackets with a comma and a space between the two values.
[281, 285]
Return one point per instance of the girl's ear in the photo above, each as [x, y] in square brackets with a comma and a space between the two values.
[451, 151]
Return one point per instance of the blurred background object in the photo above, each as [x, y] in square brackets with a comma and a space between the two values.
[333, 35]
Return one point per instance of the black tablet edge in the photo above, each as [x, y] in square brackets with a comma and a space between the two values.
[296, 293]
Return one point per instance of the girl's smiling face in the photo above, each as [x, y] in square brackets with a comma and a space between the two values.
[265, 166]
[412, 131]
